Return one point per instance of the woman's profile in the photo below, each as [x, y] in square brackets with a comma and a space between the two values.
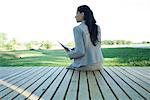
[87, 54]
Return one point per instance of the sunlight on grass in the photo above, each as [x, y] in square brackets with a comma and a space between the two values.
[110, 59]
[30, 55]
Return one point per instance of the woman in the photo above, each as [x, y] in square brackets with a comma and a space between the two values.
[87, 53]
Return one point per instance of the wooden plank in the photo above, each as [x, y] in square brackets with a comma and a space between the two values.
[41, 89]
[62, 89]
[18, 73]
[106, 91]
[36, 84]
[14, 79]
[73, 87]
[134, 85]
[53, 87]
[95, 93]
[13, 85]
[147, 81]
[17, 86]
[7, 71]
[8, 79]
[14, 75]
[114, 87]
[83, 93]
[142, 71]
[128, 90]
[111, 83]
[25, 92]
[145, 69]
[142, 74]
[134, 77]
[30, 77]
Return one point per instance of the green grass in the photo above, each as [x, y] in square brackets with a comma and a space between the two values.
[126, 56]
[112, 57]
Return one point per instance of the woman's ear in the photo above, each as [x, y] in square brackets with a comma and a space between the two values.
[82, 15]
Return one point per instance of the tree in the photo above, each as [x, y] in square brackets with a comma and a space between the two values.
[107, 42]
[32, 45]
[46, 44]
[8, 46]
[146, 42]
[117, 42]
[13, 42]
[3, 38]
[28, 45]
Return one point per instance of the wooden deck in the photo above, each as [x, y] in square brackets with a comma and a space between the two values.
[58, 83]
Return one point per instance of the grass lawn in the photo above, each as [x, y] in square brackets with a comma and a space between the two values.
[112, 57]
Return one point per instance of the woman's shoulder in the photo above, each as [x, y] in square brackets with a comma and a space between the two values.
[82, 27]
[78, 28]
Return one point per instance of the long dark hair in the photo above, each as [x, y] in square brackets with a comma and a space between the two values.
[90, 22]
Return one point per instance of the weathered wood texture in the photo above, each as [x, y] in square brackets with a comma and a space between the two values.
[58, 83]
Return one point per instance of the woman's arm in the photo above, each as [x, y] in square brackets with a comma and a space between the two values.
[79, 49]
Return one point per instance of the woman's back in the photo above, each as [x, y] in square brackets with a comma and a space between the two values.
[92, 54]
[87, 52]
